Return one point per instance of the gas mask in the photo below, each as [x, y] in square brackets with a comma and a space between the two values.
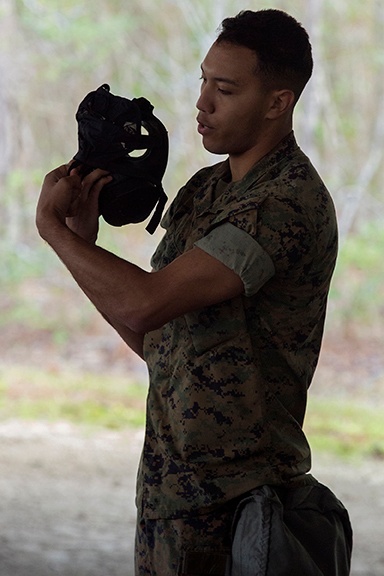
[112, 132]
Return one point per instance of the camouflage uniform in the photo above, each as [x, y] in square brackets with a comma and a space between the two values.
[228, 383]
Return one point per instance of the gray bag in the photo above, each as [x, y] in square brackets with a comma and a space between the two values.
[295, 531]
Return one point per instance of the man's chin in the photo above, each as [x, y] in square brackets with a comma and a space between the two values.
[213, 149]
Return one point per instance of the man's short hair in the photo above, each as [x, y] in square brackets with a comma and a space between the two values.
[281, 45]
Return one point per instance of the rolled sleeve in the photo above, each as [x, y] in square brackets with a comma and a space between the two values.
[241, 253]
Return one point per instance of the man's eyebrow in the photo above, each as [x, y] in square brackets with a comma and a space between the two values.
[230, 81]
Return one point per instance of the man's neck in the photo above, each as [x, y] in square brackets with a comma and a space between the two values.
[241, 164]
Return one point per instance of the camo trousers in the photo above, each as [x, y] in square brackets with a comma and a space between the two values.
[190, 546]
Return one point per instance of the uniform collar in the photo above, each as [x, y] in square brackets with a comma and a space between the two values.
[271, 162]
[204, 198]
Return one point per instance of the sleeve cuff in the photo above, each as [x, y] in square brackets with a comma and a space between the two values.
[241, 253]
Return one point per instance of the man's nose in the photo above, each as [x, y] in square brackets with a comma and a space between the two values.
[205, 101]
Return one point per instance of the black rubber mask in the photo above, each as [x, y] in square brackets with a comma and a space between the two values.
[110, 129]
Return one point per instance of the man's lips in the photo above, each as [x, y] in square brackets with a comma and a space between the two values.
[203, 128]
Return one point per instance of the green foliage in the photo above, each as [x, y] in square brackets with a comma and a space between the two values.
[364, 249]
[92, 400]
[345, 428]
[67, 34]
[357, 293]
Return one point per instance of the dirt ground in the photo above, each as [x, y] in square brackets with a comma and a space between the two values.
[67, 502]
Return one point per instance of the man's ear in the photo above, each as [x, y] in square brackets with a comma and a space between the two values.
[282, 101]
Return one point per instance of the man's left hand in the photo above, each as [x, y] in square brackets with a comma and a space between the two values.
[72, 201]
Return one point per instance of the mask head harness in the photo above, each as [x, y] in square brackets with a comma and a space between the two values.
[109, 130]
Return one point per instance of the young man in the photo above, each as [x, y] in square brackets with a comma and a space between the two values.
[230, 320]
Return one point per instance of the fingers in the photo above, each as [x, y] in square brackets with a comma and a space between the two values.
[65, 170]
[93, 183]
[73, 179]
[56, 175]
[93, 177]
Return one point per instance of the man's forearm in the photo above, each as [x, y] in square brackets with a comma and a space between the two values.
[67, 218]
[100, 287]
[110, 283]
[133, 340]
